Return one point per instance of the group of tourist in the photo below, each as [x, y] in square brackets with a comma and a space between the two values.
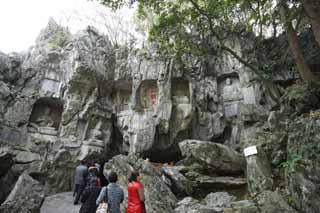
[89, 190]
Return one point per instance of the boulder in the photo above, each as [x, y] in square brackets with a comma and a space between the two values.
[258, 174]
[243, 206]
[218, 158]
[270, 202]
[213, 203]
[159, 197]
[219, 199]
[180, 184]
[26, 196]
[6, 159]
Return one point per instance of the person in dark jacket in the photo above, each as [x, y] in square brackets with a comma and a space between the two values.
[112, 194]
[80, 177]
[89, 197]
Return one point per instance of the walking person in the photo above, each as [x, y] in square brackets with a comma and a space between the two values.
[80, 177]
[135, 194]
[93, 173]
[112, 194]
[89, 197]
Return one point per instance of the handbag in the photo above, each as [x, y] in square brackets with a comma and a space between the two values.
[102, 208]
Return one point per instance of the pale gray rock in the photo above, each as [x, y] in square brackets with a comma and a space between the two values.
[219, 199]
[220, 158]
[270, 202]
[180, 184]
[243, 206]
[258, 173]
[26, 196]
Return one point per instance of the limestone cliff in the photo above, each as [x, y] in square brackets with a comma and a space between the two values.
[73, 97]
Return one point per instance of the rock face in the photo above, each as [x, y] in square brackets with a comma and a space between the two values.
[26, 196]
[74, 97]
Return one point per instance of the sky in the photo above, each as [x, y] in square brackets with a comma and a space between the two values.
[22, 20]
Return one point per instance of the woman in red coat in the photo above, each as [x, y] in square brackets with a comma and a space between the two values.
[135, 194]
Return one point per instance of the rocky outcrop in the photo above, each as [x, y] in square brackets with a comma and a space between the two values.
[26, 196]
[74, 97]
[218, 158]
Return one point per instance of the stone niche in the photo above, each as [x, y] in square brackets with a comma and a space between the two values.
[46, 116]
[121, 96]
[230, 94]
[180, 91]
[147, 94]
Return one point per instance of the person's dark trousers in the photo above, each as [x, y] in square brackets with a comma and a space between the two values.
[78, 191]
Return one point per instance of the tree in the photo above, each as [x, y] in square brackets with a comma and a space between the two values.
[303, 68]
[181, 24]
[312, 8]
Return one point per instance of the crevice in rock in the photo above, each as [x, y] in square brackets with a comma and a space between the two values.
[224, 136]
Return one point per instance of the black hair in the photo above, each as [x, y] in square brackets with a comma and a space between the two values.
[113, 177]
[83, 162]
[133, 176]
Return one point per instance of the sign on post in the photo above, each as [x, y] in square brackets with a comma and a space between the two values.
[251, 150]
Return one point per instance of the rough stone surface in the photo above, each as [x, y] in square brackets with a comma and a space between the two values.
[219, 158]
[269, 201]
[75, 96]
[26, 196]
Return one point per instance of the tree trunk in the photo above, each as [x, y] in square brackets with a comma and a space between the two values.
[303, 68]
[312, 8]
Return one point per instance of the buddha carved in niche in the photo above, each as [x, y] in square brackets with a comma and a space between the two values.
[44, 120]
[96, 133]
[231, 90]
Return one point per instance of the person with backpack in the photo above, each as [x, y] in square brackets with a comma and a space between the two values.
[89, 197]
[93, 173]
[112, 194]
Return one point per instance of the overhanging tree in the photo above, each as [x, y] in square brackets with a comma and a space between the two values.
[179, 22]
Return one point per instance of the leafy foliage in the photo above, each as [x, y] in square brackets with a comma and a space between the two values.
[303, 142]
[58, 40]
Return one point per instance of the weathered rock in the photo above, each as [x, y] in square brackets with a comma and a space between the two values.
[180, 184]
[258, 174]
[6, 159]
[303, 163]
[301, 98]
[219, 158]
[27, 196]
[243, 206]
[213, 203]
[219, 199]
[270, 202]
[159, 197]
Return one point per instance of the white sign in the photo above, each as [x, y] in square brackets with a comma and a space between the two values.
[251, 150]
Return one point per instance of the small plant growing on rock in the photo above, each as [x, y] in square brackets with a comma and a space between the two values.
[58, 40]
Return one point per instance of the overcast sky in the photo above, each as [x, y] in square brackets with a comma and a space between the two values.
[22, 20]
